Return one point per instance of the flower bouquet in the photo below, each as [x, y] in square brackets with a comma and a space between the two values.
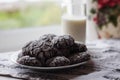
[107, 17]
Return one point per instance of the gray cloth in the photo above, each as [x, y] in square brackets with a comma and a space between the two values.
[104, 65]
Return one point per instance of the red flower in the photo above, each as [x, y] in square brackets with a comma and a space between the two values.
[102, 3]
[118, 1]
[109, 3]
[112, 3]
[100, 6]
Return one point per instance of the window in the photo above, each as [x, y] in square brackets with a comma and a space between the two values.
[29, 13]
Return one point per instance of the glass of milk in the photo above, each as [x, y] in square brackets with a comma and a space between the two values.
[74, 20]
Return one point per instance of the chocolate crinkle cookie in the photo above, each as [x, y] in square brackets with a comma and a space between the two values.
[79, 57]
[57, 61]
[63, 52]
[30, 61]
[78, 47]
[63, 41]
[47, 37]
[32, 48]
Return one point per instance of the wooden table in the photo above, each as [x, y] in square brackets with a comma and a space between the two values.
[104, 65]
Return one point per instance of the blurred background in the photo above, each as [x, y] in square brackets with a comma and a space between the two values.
[25, 20]
[29, 13]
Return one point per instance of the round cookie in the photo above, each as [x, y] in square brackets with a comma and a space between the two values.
[57, 61]
[63, 52]
[47, 37]
[29, 49]
[30, 61]
[79, 57]
[63, 41]
[78, 47]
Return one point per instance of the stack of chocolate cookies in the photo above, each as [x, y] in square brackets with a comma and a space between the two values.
[52, 51]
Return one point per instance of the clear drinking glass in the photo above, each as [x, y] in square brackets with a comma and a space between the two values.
[74, 19]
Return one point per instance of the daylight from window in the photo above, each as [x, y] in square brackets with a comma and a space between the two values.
[29, 13]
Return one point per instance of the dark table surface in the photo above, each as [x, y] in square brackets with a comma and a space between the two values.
[104, 65]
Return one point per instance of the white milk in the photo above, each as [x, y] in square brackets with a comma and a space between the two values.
[74, 26]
